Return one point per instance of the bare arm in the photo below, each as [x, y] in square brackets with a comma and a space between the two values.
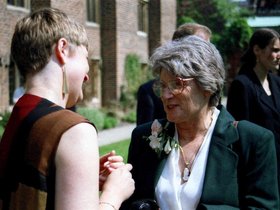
[77, 169]
[77, 173]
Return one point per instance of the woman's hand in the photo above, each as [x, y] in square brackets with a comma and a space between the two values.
[108, 163]
[118, 186]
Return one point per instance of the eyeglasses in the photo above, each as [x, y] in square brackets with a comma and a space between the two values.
[174, 86]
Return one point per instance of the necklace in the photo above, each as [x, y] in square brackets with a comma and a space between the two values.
[189, 164]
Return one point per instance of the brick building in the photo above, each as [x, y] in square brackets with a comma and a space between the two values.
[116, 28]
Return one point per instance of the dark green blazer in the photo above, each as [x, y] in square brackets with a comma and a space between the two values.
[241, 166]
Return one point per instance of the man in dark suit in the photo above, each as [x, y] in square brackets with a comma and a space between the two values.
[149, 106]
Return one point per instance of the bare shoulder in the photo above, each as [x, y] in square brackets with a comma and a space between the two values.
[80, 141]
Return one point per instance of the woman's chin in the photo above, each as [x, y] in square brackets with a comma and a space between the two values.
[171, 117]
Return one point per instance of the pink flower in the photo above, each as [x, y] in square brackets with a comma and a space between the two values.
[159, 140]
[156, 128]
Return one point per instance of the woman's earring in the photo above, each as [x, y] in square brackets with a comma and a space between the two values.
[65, 83]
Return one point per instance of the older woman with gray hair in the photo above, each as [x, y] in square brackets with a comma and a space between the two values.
[199, 157]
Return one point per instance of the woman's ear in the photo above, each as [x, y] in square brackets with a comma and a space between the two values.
[61, 50]
[256, 50]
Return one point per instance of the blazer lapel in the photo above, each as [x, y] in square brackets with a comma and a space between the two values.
[262, 97]
[163, 158]
[219, 177]
[275, 89]
[160, 169]
[225, 134]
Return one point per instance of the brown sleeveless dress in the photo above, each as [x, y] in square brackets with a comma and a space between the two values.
[29, 179]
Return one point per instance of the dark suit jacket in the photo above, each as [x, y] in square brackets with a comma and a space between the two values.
[240, 172]
[149, 106]
[247, 100]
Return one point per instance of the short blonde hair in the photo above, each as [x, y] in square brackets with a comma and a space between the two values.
[187, 29]
[36, 34]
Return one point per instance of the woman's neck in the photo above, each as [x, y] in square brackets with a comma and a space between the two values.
[46, 88]
[195, 130]
[261, 73]
[262, 76]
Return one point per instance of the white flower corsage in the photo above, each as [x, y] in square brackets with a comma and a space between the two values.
[159, 140]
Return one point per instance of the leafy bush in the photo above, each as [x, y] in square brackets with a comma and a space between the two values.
[238, 34]
[218, 15]
[95, 116]
[101, 118]
[4, 119]
[135, 74]
[110, 122]
[1, 131]
[130, 117]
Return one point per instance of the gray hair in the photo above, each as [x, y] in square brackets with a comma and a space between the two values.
[192, 57]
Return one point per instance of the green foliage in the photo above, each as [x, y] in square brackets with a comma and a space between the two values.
[3, 121]
[134, 76]
[1, 131]
[95, 116]
[130, 117]
[218, 15]
[133, 72]
[4, 118]
[184, 19]
[101, 118]
[212, 13]
[127, 99]
[121, 148]
[238, 34]
[110, 122]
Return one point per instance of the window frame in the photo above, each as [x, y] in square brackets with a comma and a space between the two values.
[143, 13]
[93, 11]
[25, 4]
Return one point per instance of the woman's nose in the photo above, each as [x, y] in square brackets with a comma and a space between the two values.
[166, 93]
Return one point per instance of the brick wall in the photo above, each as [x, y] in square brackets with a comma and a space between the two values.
[108, 51]
[168, 20]
[120, 37]
[109, 43]
[8, 17]
[162, 22]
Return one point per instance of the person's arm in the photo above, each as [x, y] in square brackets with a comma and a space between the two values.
[77, 173]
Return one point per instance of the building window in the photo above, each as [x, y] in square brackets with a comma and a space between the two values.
[143, 15]
[93, 11]
[16, 82]
[19, 3]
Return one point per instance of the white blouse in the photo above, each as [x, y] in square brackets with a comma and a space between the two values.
[170, 193]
